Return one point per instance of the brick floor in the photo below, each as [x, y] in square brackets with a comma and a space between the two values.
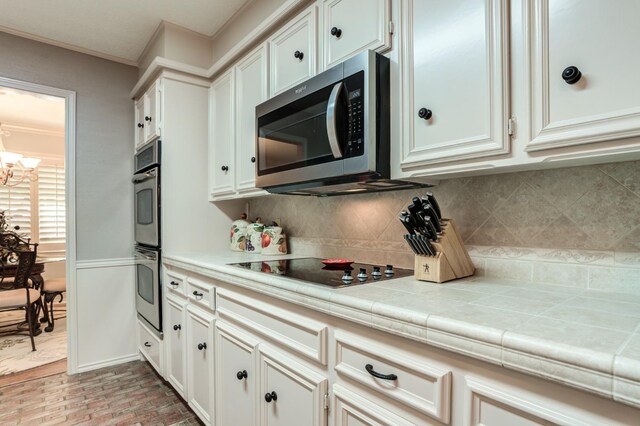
[127, 394]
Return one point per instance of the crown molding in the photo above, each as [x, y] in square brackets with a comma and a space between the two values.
[22, 128]
[68, 46]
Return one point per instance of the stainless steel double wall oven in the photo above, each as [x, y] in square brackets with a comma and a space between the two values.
[146, 189]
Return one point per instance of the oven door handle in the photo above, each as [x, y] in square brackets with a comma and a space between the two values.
[146, 256]
[331, 121]
[141, 177]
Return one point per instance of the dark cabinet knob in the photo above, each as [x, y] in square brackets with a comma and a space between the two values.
[273, 396]
[147, 344]
[147, 118]
[241, 374]
[202, 346]
[177, 327]
[198, 295]
[571, 75]
[298, 55]
[425, 113]
[225, 168]
[336, 32]
[140, 125]
[253, 159]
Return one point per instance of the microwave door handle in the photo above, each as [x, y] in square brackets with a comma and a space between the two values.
[141, 177]
[331, 121]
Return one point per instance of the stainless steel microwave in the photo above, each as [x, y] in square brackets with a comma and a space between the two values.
[329, 135]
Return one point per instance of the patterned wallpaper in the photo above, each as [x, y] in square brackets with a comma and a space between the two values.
[587, 207]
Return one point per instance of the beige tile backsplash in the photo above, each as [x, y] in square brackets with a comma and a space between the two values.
[569, 210]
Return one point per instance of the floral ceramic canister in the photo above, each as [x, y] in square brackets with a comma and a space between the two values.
[254, 237]
[274, 240]
[239, 233]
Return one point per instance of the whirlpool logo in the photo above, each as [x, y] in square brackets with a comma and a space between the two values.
[300, 89]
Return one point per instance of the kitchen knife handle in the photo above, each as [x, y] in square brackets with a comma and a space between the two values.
[434, 204]
[410, 243]
[433, 231]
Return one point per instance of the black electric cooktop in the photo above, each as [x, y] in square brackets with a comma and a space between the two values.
[314, 271]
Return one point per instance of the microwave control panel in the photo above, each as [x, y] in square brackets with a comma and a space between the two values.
[355, 115]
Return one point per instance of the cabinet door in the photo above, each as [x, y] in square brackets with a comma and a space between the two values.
[292, 52]
[251, 90]
[351, 409]
[455, 80]
[290, 394]
[176, 340]
[221, 137]
[345, 36]
[200, 362]
[139, 122]
[237, 377]
[601, 41]
[152, 112]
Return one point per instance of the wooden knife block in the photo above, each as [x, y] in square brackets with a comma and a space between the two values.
[451, 262]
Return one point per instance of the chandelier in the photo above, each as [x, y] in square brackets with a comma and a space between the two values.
[14, 167]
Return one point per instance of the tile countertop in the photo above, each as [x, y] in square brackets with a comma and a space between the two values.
[582, 338]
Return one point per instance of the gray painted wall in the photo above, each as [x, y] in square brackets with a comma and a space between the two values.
[104, 137]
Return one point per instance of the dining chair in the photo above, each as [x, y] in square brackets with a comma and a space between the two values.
[52, 288]
[17, 258]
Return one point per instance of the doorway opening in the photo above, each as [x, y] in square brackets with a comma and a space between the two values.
[36, 134]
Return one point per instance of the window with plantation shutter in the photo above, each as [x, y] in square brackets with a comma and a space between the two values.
[51, 211]
[16, 203]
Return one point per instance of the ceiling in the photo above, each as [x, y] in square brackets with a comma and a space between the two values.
[26, 109]
[116, 29]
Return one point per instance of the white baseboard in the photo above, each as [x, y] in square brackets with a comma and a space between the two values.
[109, 362]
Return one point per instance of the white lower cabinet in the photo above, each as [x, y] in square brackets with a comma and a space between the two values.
[236, 377]
[200, 359]
[290, 393]
[240, 362]
[176, 336]
[351, 409]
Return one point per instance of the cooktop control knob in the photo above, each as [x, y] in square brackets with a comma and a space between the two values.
[362, 276]
[376, 274]
[347, 278]
[389, 271]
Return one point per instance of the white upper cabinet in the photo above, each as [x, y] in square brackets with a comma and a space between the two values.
[349, 28]
[221, 134]
[600, 40]
[148, 115]
[251, 90]
[293, 52]
[139, 121]
[454, 80]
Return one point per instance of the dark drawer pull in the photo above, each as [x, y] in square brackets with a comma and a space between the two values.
[202, 346]
[336, 32]
[374, 373]
[241, 374]
[140, 125]
[147, 118]
[273, 396]
[571, 75]
[425, 113]
[177, 327]
[174, 284]
[147, 344]
[298, 54]
[198, 295]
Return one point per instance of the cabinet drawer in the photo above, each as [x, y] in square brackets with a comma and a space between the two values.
[175, 283]
[149, 346]
[404, 378]
[201, 293]
[300, 334]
